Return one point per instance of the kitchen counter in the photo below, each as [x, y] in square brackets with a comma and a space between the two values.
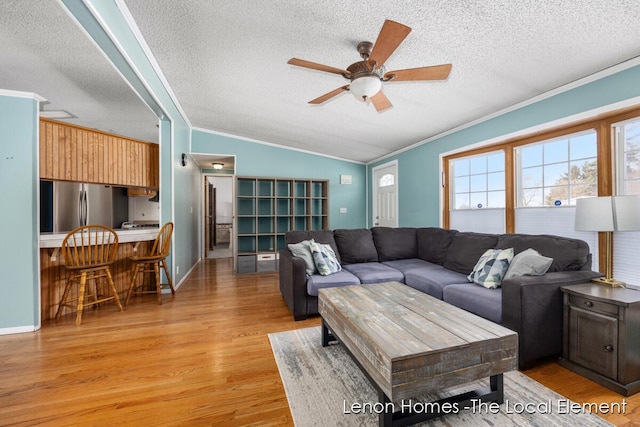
[54, 240]
[53, 274]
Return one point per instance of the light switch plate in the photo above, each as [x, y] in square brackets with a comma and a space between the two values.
[343, 210]
[346, 179]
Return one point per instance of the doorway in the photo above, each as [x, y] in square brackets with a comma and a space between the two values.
[385, 195]
[218, 229]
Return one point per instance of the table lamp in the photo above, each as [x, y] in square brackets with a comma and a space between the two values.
[608, 214]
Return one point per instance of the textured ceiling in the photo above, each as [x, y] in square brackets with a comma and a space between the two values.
[226, 62]
[42, 50]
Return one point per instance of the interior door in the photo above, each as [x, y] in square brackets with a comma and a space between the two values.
[385, 196]
[212, 215]
[205, 216]
[213, 223]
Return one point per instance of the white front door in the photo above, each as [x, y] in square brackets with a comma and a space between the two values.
[385, 195]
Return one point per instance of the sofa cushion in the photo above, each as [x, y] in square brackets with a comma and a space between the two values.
[465, 250]
[568, 254]
[478, 300]
[405, 265]
[374, 272]
[433, 243]
[528, 263]
[341, 278]
[395, 243]
[491, 267]
[355, 245]
[320, 236]
[433, 280]
[302, 250]
[324, 258]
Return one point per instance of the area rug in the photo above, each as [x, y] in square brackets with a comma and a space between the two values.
[325, 387]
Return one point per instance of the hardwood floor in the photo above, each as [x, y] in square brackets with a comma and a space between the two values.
[201, 358]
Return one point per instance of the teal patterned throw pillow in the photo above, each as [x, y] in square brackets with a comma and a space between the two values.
[491, 267]
[324, 258]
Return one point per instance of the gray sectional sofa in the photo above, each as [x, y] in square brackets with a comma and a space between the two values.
[437, 261]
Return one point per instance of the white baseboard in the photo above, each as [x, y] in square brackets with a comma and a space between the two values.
[18, 330]
[188, 273]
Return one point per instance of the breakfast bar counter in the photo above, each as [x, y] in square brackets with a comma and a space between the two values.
[53, 273]
[54, 240]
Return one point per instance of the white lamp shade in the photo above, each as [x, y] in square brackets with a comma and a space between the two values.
[594, 214]
[366, 86]
[627, 209]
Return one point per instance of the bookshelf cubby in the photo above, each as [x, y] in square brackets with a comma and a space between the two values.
[266, 208]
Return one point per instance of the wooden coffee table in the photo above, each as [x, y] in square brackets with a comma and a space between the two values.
[409, 344]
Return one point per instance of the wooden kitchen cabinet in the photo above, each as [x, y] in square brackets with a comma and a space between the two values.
[141, 192]
[601, 329]
[74, 153]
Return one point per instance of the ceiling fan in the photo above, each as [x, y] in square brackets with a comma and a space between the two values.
[367, 76]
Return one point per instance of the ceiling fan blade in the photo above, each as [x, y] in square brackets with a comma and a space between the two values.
[328, 96]
[316, 66]
[381, 102]
[390, 37]
[436, 72]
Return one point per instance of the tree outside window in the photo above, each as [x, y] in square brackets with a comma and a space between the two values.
[559, 171]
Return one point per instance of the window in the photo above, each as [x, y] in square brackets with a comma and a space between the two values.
[552, 174]
[558, 171]
[478, 193]
[626, 245]
[386, 180]
[545, 173]
[628, 144]
[478, 181]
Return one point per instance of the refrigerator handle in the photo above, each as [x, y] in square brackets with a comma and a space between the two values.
[80, 208]
[85, 207]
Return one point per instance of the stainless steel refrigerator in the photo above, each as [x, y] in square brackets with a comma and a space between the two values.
[67, 205]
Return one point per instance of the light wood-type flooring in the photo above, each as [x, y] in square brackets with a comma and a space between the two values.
[201, 358]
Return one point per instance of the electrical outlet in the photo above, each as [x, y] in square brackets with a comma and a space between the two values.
[177, 269]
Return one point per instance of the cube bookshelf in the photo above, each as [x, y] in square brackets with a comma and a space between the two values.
[266, 208]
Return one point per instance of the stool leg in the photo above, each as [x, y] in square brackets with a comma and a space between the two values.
[156, 269]
[83, 283]
[65, 294]
[166, 271]
[132, 284]
[113, 288]
[93, 278]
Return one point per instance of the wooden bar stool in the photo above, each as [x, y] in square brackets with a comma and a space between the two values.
[151, 264]
[88, 252]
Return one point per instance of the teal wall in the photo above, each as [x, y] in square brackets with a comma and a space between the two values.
[19, 229]
[256, 159]
[186, 203]
[419, 168]
[180, 196]
[175, 131]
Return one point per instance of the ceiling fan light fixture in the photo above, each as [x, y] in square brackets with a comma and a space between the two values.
[365, 87]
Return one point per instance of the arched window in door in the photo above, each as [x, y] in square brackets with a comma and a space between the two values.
[386, 180]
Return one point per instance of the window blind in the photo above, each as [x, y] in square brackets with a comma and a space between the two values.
[626, 247]
[478, 220]
[558, 221]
